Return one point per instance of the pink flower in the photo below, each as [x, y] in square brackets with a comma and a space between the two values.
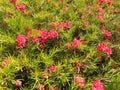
[110, 2]
[86, 24]
[35, 39]
[21, 7]
[97, 85]
[108, 51]
[13, 1]
[104, 48]
[44, 35]
[75, 43]
[89, 12]
[100, 1]
[61, 25]
[67, 24]
[107, 34]
[64, 25]
[53, 68]
[41, 87]
[53, 88]
[80, 81]
[4, 62]
[100, 10]
[53, 34]
[68, 45]
[65, 9]
[45, 74]
[100, 18]
[101, 46]
[18, 83]
[21, 41]
[102, 28]
[52, 24]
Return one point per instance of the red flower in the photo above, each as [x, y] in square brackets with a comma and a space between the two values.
[64, 24]
[56, 88]
[13, 1]
[60, 25]
[44, 35]
[67, 25]
[86, 24]
[97, 85]
[21, 7]
[18, 83]
[52, 24]
[110, 2]
[35, 39]
[104, 48]
[53, 34]
[100, 18]
[100, 10]
[65, 9]
[100, 1]
[89, 12]
[41, 87]
[119, 29]
[21, 41]
[75, 43]
[108, 51]
[80, 81]
[101, 46]
[68, 45]
[107, 34]
[53, 68]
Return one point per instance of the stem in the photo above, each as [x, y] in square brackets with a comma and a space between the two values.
[34, 84]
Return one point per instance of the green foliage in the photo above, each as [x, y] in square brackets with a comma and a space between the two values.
[32, 64]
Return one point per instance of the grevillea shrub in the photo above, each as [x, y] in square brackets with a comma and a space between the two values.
[59, 44]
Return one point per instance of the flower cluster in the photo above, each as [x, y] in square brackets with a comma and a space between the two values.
[21, 7]
[18, 83]
[110, 2]
[97, 85]
[107, 34]
[60, 44]
[104, 48]
[41, 38]
[80, 81]
[53, 68]
[74, 44]
[21, 41]
[13, 1]
[64, 25]
[4, 63]
[53, 88]
[41, 87]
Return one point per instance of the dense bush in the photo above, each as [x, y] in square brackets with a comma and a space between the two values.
[59, 45]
